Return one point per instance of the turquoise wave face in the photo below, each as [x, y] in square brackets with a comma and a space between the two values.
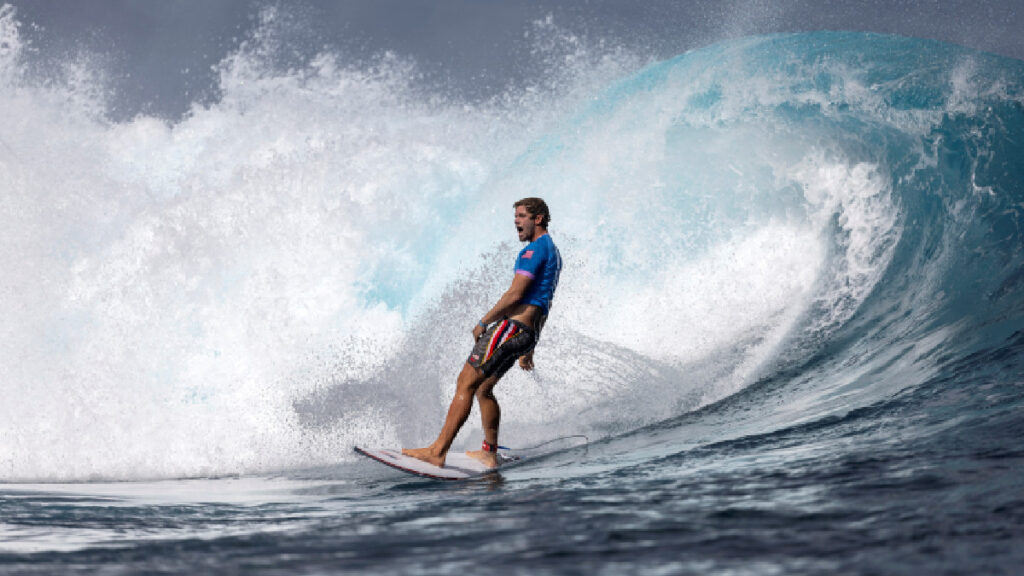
[897, 155]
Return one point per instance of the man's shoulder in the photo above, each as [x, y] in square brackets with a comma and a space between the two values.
[547, 246]
[543, 243]
[540, 249]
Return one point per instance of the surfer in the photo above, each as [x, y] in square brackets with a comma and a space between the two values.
[506, 332]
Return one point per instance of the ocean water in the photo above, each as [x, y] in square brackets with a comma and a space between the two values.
[790, 324]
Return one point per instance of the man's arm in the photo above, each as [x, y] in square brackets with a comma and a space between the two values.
[510, 298]
[526, 360]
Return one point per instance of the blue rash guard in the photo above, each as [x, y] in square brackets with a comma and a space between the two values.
[541, 262]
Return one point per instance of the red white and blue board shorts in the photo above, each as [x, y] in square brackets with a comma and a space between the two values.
[500, 345]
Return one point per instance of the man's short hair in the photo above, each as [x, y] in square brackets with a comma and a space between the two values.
[535, 207]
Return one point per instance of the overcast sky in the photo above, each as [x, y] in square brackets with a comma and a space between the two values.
[159, 53]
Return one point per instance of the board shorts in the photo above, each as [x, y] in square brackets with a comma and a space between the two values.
[500, 345]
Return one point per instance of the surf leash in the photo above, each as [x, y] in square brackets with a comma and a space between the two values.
[543, 444]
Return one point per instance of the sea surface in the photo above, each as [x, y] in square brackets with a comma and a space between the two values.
[789, 337]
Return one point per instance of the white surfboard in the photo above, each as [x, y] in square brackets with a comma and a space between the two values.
[457, 465]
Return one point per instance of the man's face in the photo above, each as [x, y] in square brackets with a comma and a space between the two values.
[525, 224]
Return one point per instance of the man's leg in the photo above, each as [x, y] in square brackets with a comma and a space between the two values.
[490, 419]
[469, 381]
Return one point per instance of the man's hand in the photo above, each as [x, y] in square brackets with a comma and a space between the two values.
[526, 361]
[478, 331]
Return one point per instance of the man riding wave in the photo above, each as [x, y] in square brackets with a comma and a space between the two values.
[507, 332]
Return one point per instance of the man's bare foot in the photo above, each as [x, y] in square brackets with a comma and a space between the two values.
[490, 459]
[425, 454]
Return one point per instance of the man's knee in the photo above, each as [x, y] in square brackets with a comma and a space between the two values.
[486, 390]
